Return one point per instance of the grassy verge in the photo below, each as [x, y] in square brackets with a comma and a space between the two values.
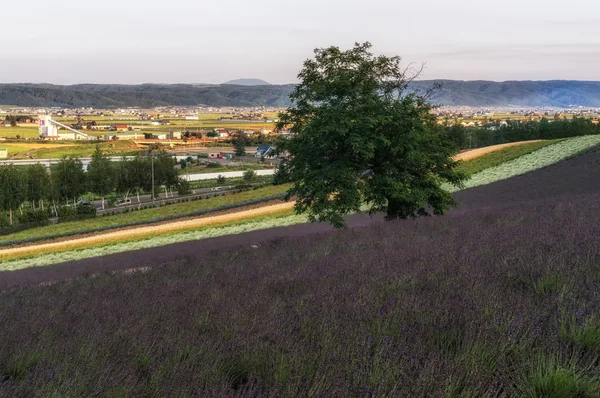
[146, 214]
[498, 157]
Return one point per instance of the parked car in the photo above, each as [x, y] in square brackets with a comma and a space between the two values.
[122, 202]
[84, 203]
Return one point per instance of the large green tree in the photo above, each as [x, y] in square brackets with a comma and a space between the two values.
[68, 179]
[361, 137]
[38, 185]
[13, 188]
[101, 175]
[165, 173]
[139, 175]
[239, 142]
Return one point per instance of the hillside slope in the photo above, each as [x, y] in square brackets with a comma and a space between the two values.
[472, 93]
[496, 299]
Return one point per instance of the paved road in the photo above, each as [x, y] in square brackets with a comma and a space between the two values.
[145, 200]
[48, 162]
[227, 174]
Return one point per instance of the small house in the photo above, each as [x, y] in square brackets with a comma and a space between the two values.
[264, 150]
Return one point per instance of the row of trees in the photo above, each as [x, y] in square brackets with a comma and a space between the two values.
[67, 181]
[476, 137]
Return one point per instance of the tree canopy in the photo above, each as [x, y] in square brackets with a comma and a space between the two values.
[362, 139]
[101, 175]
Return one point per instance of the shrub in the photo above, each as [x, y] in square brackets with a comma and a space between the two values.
[551, 378]
[249, 175]
[183, 187]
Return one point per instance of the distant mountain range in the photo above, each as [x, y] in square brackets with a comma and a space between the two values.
[248, 82]
[557, 93]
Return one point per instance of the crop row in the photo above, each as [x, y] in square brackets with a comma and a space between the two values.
[538, 159]
[145, 222]
[277, 220]
[478, 152]
[532, 161]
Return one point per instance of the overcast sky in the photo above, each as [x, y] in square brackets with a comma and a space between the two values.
[201, 41]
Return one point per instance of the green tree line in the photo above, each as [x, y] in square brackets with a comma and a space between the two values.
[514, 130]
[35, 187]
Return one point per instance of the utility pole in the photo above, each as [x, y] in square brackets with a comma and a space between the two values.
[152, 159]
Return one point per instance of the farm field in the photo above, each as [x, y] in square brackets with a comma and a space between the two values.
[145, 214]
[498, 298]
[496, 155]
[22, 132]
[535, 160]
[69, 148]
[22, 148]
[475, 153]
[206, 121]
[138, 233]
[486, 176]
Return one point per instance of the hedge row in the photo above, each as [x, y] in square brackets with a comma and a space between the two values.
[39, 218]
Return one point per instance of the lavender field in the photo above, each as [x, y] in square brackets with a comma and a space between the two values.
[498, 298]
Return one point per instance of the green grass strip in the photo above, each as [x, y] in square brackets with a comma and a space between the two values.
[497, 158]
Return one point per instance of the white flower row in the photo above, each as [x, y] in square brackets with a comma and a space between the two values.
[55, 258]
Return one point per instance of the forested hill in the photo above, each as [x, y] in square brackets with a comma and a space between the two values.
[558, 93]
[143, 95]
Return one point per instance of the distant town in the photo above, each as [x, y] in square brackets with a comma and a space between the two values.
[28, 132]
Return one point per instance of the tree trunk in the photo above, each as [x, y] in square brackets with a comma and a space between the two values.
[10, 215]
[103, 203]
[21, 209]
[138, 195]
[393, 210]
[42, 204]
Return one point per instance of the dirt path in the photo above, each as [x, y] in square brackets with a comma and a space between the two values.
[120, 235]
[475, 153]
